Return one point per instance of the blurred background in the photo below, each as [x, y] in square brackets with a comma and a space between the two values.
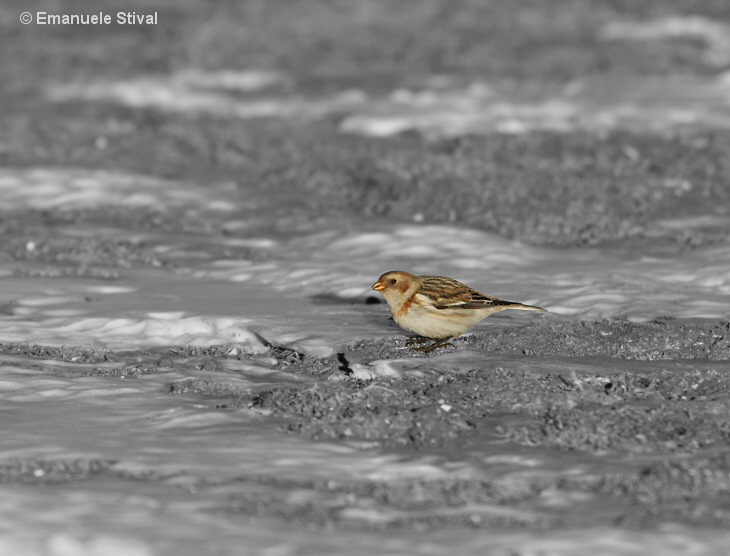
[558, 123]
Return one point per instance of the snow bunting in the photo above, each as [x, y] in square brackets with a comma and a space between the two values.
[437, 307]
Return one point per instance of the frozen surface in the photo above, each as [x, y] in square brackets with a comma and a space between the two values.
[641, 103]
[208, 300]
[307, 294]
[644, 104]
[139, 435]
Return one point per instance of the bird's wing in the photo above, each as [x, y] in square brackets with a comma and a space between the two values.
[479, 301]
[447, 293]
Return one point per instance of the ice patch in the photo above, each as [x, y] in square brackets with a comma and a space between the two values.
[258, 243]
[64, 544]
[245, 81]
[382, 368]
[6, 385]
[653, 104]
[222, 206]
[171, 93]
[644, 103]
[200, 419]
[65, 189]
[109, 289]
[715, 34]
[64, 312]
[115, 333]
[45, 301]
[167, 316]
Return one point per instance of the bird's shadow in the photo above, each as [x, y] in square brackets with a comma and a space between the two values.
[329, 299]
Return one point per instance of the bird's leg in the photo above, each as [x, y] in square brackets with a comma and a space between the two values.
[415, 341]
[443, 342]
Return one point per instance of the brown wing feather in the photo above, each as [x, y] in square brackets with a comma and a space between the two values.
[449, 293]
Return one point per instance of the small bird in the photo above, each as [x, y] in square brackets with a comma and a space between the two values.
[437, 307]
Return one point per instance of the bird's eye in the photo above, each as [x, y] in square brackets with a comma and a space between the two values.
[393, 281]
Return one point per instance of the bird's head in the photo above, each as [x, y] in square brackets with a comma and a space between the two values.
[397, 286]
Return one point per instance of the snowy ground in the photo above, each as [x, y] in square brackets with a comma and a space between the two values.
[192, 214]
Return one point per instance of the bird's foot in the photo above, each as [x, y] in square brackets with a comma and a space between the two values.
[444, 342]
[416, 341]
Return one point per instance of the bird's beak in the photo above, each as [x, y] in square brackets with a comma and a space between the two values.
[378, 287]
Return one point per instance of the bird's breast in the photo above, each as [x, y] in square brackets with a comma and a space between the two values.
[423, 319]
[403, 309]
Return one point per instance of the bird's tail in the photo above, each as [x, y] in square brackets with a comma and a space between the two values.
[523, 307]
